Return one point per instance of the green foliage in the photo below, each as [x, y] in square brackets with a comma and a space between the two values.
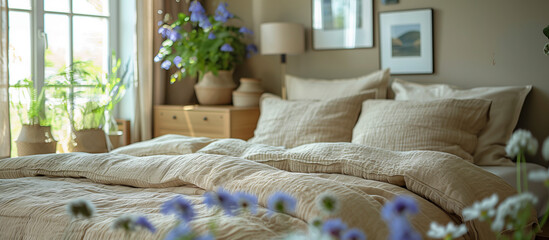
[546, 48]
[88, 106]
[200, 54]
[31, 105]
[546, 31]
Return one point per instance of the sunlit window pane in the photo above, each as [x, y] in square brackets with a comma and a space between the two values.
[57, 5]
[91, 41]
[58, 52]
[95, 7]
[22, 4]
[19, 46]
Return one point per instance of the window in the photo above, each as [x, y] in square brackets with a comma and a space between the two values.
[47, 37]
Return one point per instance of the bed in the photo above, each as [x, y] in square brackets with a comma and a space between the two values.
[304, 148]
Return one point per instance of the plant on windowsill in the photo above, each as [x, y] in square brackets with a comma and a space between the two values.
[35, 136]
[92, 121]
[211, 49]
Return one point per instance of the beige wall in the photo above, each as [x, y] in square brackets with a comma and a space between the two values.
[477, 43]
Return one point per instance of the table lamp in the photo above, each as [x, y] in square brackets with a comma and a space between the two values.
[282, 38]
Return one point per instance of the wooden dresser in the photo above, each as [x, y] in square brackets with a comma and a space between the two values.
[206, 121]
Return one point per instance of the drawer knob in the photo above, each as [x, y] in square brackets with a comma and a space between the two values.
[174, 117]
[205, 118]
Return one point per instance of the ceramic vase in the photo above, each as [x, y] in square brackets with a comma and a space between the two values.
[35, 139]
[248, 94]
[215, 90]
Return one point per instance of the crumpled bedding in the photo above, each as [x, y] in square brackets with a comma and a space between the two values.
[139, 178]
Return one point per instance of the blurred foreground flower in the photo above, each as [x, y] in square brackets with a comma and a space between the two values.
[448, 232]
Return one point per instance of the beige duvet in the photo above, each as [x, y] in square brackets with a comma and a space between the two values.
[139, 178]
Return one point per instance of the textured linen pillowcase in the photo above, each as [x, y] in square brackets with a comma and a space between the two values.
[448, 125]
[294, 123]
[503, 117]
[319, 89]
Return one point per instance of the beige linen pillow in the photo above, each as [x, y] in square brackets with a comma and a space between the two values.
[448, 125]
[319, 89]
[294, 123]
[503, 117]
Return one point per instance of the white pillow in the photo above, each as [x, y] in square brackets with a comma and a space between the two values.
[319, 89]
[448, 125]
[294, 123]
[504, 113]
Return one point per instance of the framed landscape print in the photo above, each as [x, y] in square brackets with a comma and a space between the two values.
[342, 24]
[406, 41]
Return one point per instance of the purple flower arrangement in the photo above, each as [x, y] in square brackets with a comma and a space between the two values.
[210, 45]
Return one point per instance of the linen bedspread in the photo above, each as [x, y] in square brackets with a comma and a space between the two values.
[138, 178]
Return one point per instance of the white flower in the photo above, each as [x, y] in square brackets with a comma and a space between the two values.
[510, 208]
[482, 210]
[521, 140]
[327, 203]
[447, 232]
[545, 149]
[540, 176]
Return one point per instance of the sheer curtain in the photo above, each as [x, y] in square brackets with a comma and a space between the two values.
[4, 83]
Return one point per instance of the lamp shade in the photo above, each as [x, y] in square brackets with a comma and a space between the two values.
[282, 38]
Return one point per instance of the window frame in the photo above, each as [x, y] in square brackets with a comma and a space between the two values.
[39, 37]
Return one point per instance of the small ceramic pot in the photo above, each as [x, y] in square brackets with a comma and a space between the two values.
[215, 90]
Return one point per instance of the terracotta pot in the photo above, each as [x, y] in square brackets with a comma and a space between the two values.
[35, 139]
[90, 141]
[215, 90]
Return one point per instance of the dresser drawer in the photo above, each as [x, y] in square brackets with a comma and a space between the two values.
[172, 119]
[208, 124]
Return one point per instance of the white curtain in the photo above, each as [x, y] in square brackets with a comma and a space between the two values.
[5, 141]
[142, 128]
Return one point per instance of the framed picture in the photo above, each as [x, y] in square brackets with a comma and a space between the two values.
[342, 24]
[406, 41]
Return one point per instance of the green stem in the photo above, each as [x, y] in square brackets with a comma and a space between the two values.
[519, 185]
[544, 219]
[524, 172]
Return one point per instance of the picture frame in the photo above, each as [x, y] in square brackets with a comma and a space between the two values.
[406, 41]
[342, 24]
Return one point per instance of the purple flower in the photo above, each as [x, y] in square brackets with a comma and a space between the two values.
[400, 206]
[223, 199]
[251, 49]
[334, 227]
[158, 58]
[353, 234]
[179, 206]
[166, 64]
[246, 31]
[164, 31]
[246, 202]
[177, 61]
[205, 237]
[160, 23]
[221, 13]
[400, 229]
[196, 7]
[174, 36]
[205, 23]
[211, 36]
[226, 48]
[282, 203]
[181, 231]
[143, 222]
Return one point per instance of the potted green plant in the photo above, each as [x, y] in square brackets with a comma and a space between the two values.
[35, 136]
[211, 50]
[92, 120]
